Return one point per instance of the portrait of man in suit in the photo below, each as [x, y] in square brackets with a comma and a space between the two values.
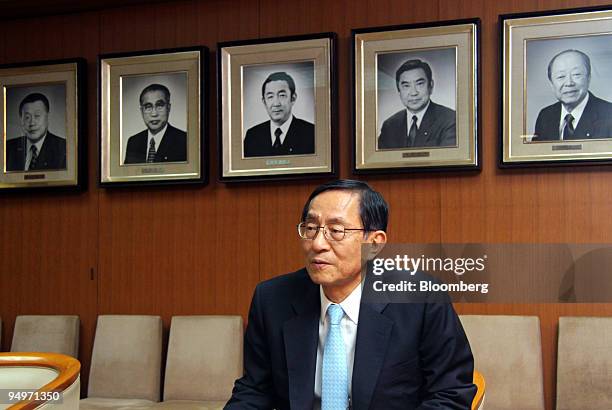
[578, 113]
[422, 123]
[283, 133]
[313, 343]
[38, 149]
[160, 142]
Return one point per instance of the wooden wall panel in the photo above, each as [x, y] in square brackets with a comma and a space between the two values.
[48, 251]
[188, 250]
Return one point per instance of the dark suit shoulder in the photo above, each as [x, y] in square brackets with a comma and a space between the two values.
[442, 112]
[398, 116]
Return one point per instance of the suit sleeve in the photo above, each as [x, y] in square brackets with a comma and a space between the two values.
[448, 135]
[384, 140]
[254, 389]
[447, 360]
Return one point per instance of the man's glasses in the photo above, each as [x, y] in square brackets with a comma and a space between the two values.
[332, 232]
[159, 106]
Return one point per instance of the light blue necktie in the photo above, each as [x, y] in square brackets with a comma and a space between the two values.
[334, 390]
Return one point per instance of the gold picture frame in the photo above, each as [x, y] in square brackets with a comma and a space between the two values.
[175, 82]
[42, 124]
[445, 112]
[536, 50]
[304, 65]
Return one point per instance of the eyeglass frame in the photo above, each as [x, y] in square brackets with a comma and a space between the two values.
[157, 107]
[328, 235]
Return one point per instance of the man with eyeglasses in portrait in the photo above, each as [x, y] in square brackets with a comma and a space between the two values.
[160, 142]
[312, 342]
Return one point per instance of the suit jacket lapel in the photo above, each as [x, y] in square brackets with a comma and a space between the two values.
[373, 333]
[301, 335]
[426, 124]
[588, 118]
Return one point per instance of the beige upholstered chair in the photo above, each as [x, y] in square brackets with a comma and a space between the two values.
[204, 360]
[508, 351]
[125, 363]
[46, 333]
[584, 363]
[55, 374]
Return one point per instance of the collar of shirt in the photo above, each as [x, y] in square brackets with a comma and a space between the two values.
[157, 137]
[38, 146]
[576, 113]
[419, 116]
[350, 305]
[284, 128]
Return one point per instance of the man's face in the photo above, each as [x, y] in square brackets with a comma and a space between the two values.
[155, 110]
[34, 120]
[569, 79]
[278, 101]
[414, 89]
[335, 264]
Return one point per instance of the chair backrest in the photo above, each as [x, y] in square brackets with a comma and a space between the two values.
[584, 363]
[508, 350]
[126, 357]
[204, 357]
[46, 333]
[479, 381]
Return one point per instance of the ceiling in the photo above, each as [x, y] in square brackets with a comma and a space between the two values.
[11, 9]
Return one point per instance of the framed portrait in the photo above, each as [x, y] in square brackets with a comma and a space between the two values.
[152, 117]
[556, 104]
[42, 123]
[276, 104]
[416, 97]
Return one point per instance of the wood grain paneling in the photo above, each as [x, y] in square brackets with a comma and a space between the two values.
[187, 250]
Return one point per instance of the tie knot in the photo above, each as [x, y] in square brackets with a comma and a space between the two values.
[34, 150]
[414, 118]
[335, 313]
[278, 132]
[569, 118]
[152, 143]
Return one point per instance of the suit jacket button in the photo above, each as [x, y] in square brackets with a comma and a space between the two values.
[166, 158]
[290, 149]
[588, 135]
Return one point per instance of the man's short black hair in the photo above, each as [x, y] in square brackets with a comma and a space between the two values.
[413, 65]
[279, 76]
[156, 87]
[30, 98]
[373, 208]
[585, 59]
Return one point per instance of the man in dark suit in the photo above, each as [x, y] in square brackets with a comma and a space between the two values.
[423, 123]
[577, 114]
[160, 142]
[312, 342]
[39, 149]
[283, 134]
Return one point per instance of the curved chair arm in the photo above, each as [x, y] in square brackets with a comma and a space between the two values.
[479, 381]
[68, 369]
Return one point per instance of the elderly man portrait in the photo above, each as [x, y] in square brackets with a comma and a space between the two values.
[160, 142]
[578, 113]
[422, 123]
[313, 343]
[283, 133]
[38, 149]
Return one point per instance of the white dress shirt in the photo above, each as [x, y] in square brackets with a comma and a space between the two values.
[419, 116]
[576, 113]
[156, 137]
[284, 128]
[348, 324]
[38, 146]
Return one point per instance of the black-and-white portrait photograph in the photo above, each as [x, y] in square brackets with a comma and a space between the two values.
[279, 109]
[36, 127]
[568, 88]
[154, 118]
[416, 99]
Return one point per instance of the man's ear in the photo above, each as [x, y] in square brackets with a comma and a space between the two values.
[376, 242]
[293, 97]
